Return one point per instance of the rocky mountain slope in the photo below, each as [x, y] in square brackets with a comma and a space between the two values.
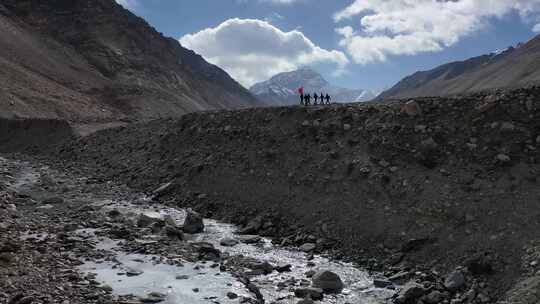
[282, 89]
[414, 189]
[94, 60]
[511, 68]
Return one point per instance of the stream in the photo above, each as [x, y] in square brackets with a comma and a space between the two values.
[197, 282]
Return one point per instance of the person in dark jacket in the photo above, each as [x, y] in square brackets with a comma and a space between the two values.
[315, 97]
[301, 99]
[322, 98]
[307, 99]
[328, 99]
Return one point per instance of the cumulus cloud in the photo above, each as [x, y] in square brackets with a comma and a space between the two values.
[253, 50]
[408, 27]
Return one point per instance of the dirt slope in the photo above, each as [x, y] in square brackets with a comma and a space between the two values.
[94, 60]
[513, 68]
[450, 182]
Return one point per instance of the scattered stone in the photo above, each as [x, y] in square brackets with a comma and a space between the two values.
[454, 281]
[232, 295]
[131, 272]
[434, 297]
[228, 242]
[193, 222]
[411, 291]
[182, 277]
[327, 281]
[283, 268]
[411, 108]
[309, 293]
[144, 221]
[382, 283]
[253, 226]
[249, 239]
[308, 247]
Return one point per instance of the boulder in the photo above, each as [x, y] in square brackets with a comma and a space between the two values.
[382, 283]
[309, 293]
[410, 292]
[328, 281]
[228, 242]
[412, 108]
[144, 221]
[308, 247]
[454, 281]
[253, 226]
[193, 222]
[174, 232]
[283, 268]
[249, 239]
[433, 297]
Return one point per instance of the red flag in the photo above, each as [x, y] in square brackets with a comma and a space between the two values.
[301, 91]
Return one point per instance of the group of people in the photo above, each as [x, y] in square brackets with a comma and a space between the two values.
[305, 99]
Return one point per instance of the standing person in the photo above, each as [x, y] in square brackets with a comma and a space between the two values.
[307, 99]
[328, 99]
[322, 98]
[301, 92]
[315, 97]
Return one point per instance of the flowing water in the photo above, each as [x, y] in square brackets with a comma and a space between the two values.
[193, 283]
[214, 285]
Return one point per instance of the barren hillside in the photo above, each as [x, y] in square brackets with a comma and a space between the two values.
[94, 60]
[513, 68]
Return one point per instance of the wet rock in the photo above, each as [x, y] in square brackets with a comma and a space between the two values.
[174, 232]
[207, 251]
[144, 221]
[410, 292]
[132, 272]
[232, 295]
[283, 268]
[327, 281]
[309, 293]
[454, 281]
[382, 283]
[154, 297]
[249, 239]
[228, 242]
[193, 222]
[308, 247]
[182, 277]
[253, 226]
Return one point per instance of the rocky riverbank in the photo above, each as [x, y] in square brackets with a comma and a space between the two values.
[440, 193]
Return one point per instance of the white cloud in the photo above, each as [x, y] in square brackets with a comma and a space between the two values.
[536, 28]
[253, 50]
[408, 27]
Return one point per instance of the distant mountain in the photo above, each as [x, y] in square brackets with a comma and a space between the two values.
[509, 68]
[282, 88]
[94, 60]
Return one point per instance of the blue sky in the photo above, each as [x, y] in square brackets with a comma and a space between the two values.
[367, 44]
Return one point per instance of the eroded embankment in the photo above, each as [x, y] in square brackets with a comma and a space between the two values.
[430, 185]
